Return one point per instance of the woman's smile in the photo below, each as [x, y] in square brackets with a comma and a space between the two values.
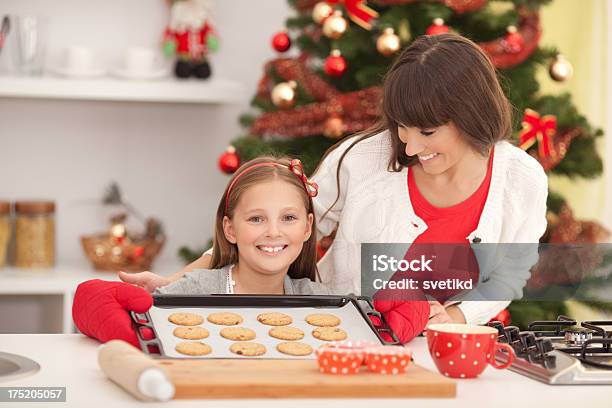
[428, 157]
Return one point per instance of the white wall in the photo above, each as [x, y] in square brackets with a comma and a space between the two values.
[162, 155]
[587, 50]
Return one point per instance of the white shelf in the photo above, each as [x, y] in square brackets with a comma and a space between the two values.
[61, 278]
[58, 283]
[169, 90]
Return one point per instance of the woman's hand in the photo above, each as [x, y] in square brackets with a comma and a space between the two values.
[407, 319]
[440, 314]
[150, 281]
[147, 280]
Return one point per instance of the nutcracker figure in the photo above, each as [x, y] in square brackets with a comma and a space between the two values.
[190, 37]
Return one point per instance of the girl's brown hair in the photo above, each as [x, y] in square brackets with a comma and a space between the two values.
[226, 253]
[435, 81]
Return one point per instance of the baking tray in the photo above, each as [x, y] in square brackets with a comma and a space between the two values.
[353, 311]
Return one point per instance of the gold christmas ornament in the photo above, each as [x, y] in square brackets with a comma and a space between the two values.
[335, 25]
[560, 69]
[283, 94]
[334, 127]
[388, 43]
[321, 11]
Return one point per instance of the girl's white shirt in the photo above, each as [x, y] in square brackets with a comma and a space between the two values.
[374, 207]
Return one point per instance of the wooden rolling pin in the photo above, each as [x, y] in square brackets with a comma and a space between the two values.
[134, 371]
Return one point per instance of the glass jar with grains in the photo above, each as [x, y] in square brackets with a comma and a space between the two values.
[5, 230]
[34, 234]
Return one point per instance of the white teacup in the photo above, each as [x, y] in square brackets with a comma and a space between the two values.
[141, 60]
[79, 59]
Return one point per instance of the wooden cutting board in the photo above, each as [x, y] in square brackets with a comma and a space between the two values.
[298, 379]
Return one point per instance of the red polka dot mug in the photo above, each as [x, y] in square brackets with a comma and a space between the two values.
[464, 351]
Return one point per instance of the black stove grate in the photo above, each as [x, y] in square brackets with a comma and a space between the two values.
[542, 337]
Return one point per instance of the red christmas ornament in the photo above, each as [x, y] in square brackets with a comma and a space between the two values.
[438, 27]
[335, 64]
[229, 161]
[513, 42]
[138, 251]
[281, 41]
[503, 316]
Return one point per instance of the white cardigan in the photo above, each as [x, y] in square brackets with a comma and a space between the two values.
[374, 206]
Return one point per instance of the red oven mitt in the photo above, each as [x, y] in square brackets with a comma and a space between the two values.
[406, 318]
[101, 309]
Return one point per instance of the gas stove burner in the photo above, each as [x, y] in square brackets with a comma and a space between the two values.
[576, 336]
[560, 351]
[585, 358]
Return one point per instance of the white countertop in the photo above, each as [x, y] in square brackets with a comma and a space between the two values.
[70, 360]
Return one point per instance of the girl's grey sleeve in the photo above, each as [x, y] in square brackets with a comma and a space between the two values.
[307, 287]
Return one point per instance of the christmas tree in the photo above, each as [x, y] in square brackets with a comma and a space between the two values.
[305, 104]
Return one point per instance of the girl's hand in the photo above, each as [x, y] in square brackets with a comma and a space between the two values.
[147, 280]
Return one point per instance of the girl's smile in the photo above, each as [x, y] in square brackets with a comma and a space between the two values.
[272, 250]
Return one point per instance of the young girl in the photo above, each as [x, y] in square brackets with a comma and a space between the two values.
[263, 241]
[263, 244]
[436, 169]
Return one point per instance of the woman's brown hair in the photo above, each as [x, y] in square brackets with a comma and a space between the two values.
[226, 253]
[437, 80]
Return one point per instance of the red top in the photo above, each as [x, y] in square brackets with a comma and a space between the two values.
[449, 225]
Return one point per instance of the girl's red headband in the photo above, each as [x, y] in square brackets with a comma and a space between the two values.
[295, 166]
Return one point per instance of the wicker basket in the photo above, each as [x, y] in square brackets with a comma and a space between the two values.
[132, 255]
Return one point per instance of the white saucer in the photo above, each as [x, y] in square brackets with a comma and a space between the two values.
[67, 72]
[161, 72]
